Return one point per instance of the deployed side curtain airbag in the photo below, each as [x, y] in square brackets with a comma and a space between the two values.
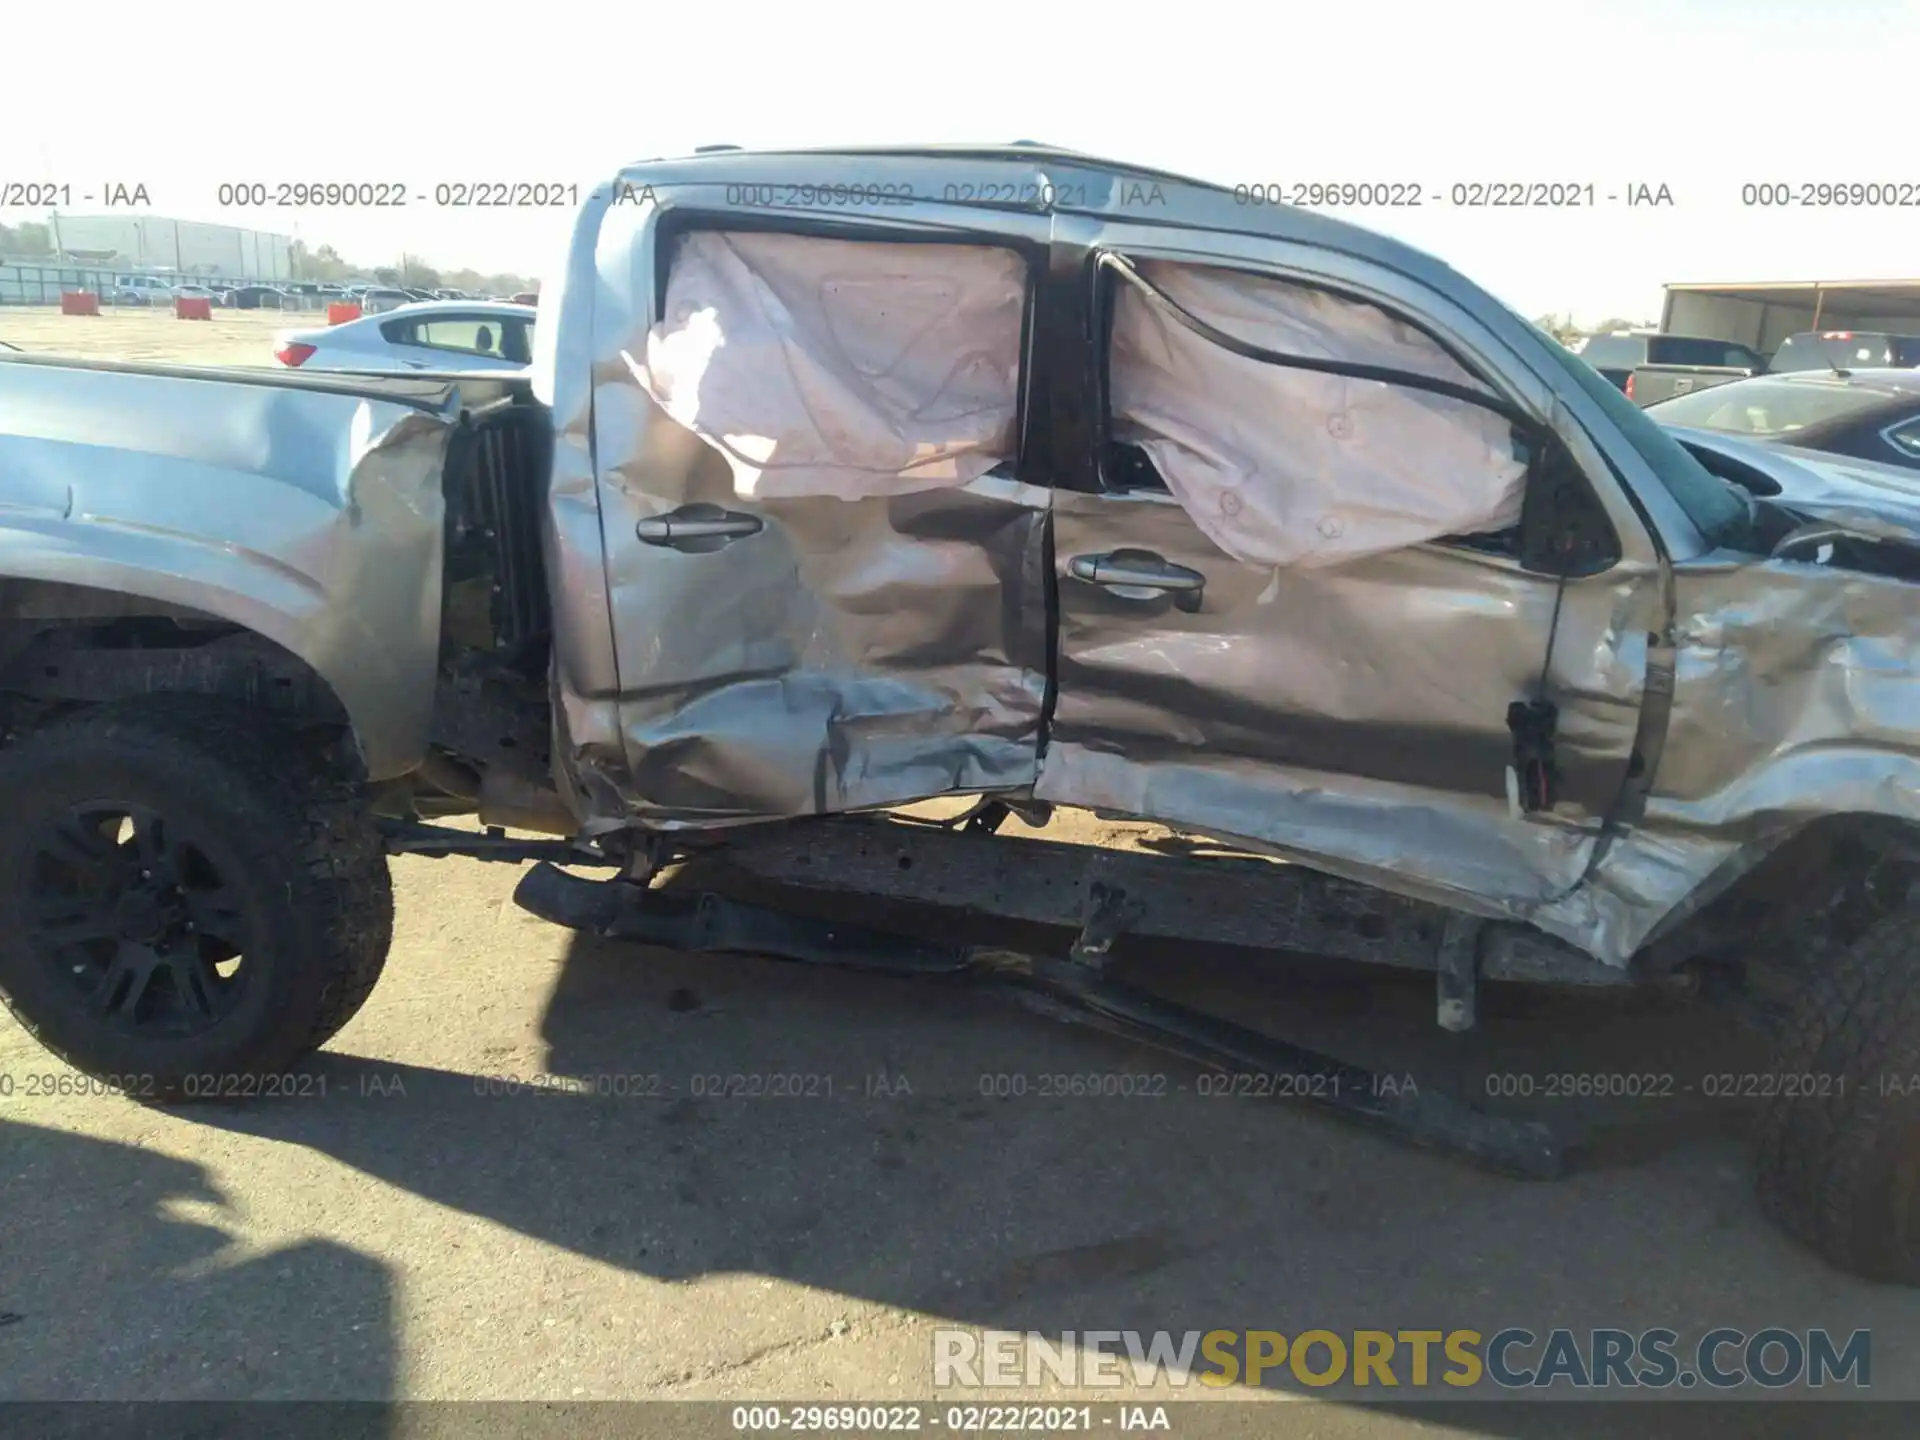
[1286, 466]
[841, 368]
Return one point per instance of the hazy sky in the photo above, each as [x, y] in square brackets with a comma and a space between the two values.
[1701, 97]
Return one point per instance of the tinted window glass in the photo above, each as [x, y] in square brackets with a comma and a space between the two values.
[1614, 352]
[516, 341]
[469, 334]
[1906, 351]
[1766, 407]
[1710, 503]
[1865, 352]
[1827, 352]
[1686, 350]
[1906, 438]
[1801, 352]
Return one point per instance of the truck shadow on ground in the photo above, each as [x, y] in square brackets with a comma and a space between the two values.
[120, 1274]
[931, 1146]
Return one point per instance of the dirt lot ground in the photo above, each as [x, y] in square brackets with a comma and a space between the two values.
[232, 337]
[411, 1233]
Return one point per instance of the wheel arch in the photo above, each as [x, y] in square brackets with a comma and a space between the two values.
[288, 632]
[1836, 871]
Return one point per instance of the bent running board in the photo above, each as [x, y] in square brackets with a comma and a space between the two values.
[1420, 1114]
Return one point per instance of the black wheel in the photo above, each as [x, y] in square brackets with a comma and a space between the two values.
[1839, 1141]
[187, 894]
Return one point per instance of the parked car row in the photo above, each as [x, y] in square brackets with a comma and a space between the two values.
[291, 295]
[156, 290]
[1651, 367]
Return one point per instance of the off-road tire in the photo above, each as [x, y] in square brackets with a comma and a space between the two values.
[1838, 1146]
[311, 867]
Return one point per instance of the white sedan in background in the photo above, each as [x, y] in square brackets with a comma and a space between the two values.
[432, 335]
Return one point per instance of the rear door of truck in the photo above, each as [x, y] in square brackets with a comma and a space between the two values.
[825, 556]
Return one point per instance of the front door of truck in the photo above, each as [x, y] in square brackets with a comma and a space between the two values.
[825, 562]
[1258, 638]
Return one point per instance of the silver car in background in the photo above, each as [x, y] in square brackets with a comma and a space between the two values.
[432, 335]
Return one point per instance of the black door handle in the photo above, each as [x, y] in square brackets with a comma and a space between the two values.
[1138, 575]
[698, 529]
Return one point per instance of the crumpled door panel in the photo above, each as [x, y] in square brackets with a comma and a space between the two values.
[871, 630]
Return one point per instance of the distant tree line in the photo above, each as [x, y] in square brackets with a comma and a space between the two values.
[27, 240]
[325, 264]
[1563, 328]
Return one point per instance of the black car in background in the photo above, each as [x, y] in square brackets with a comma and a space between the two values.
[1866, 414]
[1845, 350]
[259, 297]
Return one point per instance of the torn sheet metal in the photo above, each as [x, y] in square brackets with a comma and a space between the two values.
[852, 654]
[308, 513]
[1283, 466]
[1351, 717]
[836, 659]
[876, 633]
[1794, 699]
[841, 368]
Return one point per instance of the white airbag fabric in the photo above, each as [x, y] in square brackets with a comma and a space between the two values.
[1280, 466]
[841, 368]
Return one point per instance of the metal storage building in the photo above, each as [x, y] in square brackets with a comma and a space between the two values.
[190, 247]
[1763, 313]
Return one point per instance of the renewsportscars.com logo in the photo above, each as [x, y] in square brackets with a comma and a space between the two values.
[1512, 1359]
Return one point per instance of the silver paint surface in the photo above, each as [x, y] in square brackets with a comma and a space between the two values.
[1354, 719]
[853, 654]
[311, 516]
[868, 653]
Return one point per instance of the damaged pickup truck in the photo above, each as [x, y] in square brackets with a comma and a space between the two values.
[847, 481]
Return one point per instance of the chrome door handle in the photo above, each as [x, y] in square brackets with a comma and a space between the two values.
[1135, 570]
[698, 528]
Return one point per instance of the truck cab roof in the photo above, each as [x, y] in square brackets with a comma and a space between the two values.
[1035, 179]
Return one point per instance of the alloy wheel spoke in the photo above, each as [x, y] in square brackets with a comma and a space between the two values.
[193, 982]
[79, 846]
[125, 984]
[73, 919]
[218, 913]
[159, 918]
